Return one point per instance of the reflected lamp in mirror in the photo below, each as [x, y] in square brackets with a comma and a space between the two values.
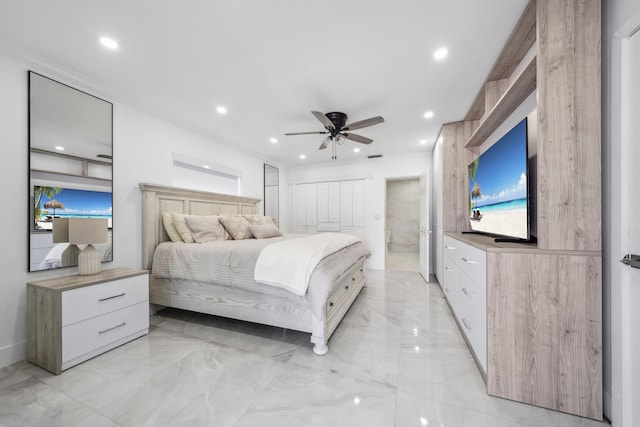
[88, 231]
[61, 235]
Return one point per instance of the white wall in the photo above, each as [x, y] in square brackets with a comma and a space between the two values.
[617, 14]
[142, 152]
[376, 171]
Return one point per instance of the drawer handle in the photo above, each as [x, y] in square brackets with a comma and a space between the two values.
[469, 261]
[466, 322]
[347, 287]
[448, 269]
[112, 328]
[115, 296]
[353, 279]
[466, 291]
[330, 304]
[451, 248]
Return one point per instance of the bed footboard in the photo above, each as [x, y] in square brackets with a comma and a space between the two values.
[345, 292]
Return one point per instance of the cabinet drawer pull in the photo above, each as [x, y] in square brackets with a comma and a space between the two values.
[115, 296]
[466, 291]
[451, 248]
[469, 261]
[112, 328]
[330, 304]
[448, 269]
[353, 279]
[467, 323]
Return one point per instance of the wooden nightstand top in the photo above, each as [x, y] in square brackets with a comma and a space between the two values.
[66, 283]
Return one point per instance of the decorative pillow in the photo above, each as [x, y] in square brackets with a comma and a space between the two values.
[237, 226]
[259, 219]
[206, 228]
[170, 228]
[265, 231]
[181, 226]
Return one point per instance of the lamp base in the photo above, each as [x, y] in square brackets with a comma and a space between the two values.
[70, 255]
[89, 261]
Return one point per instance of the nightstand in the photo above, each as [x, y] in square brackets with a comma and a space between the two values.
[74, 318]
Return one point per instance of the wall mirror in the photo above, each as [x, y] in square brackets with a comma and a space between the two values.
[70, 168]
[271, 192]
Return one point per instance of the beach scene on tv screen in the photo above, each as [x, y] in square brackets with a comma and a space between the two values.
[56, 202]
[498, 187]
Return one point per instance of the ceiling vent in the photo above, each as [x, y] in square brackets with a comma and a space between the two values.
[374, 156]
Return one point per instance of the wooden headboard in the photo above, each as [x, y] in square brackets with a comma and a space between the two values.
[157, 199]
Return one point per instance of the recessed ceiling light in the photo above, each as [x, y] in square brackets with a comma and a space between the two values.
[302, 156]
[206, 166]
[108, 43]
[428, 114]
[221, 110]
[423, 141]
[440, 53]
[356, 150]
[273, 140]
[59, 148]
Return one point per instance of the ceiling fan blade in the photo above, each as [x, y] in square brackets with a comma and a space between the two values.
[324, 144]
[357, 138]
[306, 133]
[364, 123]
[323, 119]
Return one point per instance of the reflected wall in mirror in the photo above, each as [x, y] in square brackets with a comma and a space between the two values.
[271, 192]
[70, 167]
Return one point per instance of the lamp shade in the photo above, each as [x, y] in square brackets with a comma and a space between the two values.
[60, 230]
[87, 230]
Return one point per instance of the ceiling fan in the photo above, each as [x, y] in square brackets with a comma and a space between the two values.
[337, 129]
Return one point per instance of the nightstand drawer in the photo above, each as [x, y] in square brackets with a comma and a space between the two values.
[99, 332]
[91, 301]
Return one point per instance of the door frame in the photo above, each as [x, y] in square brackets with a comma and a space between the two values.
[618, 400]
[427, 194]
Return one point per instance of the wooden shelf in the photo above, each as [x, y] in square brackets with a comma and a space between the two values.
[521, 88]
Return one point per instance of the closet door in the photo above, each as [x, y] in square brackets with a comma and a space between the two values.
[346, 204]
[312, 206]
[334, 201]
[359, 208]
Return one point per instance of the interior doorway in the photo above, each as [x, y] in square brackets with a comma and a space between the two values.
[402, 224]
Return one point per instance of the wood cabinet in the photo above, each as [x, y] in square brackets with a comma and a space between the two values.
[74, 318]
[543, 300]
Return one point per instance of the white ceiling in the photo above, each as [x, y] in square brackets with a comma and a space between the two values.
[272, 62]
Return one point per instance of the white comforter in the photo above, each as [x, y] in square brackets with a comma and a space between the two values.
[289, 264]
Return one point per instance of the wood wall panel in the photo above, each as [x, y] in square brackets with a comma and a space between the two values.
[568, 61]
[544, 328]
[455, 179]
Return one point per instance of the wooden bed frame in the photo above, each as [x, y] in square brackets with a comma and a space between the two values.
[227, 301]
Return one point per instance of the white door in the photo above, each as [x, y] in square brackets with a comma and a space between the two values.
[630, 277]
[425, 231]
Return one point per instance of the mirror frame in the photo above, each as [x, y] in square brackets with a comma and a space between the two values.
[271, 207]
[82, 169]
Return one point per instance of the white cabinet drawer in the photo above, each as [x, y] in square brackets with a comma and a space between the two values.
[92, 334]
[90, 301]
[471, 260]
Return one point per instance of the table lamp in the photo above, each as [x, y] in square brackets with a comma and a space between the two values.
[61, 235]
[88, 231]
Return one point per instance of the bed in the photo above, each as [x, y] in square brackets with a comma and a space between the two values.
[334, 283]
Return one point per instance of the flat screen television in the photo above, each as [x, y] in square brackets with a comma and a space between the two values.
[50, 202]
[498, 188]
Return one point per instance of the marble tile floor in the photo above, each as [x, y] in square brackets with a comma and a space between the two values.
[398, 359]
[406, 261]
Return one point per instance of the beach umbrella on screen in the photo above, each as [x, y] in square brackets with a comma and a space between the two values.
[475, 192]
[54, 204]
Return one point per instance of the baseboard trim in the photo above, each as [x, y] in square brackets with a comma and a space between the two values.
[13, 353]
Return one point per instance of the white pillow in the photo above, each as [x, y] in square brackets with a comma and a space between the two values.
[206, 228]
[170, 228]
[237, 226]
[181, 227]
[265, 231]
